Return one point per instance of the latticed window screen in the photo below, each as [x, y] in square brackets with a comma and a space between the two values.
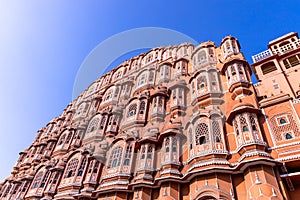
[243, 123]
[45, 178]
[151, 76]
[216, 131]
[202, 82]
[280, 131]
[37, 180]
[236, 127]
[128, 155]
[102, 123]
[7, 190]
[115, 157]
[201, 57]
[71, 168]
[201, 135]
[174, 144]
[108, 95]
[81, 168]
[96, 167]
[167, 144]
[233, 72]
[69, 137]
[142, 107]
[149, 152]
[253, 122]
[93, 125]
[132, 110]
[143, 153]
[116, 92]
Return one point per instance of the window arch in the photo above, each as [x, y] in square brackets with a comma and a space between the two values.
[71, 168]
[115, 157]
[201, 135]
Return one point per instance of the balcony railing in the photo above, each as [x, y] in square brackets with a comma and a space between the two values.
[281, 50]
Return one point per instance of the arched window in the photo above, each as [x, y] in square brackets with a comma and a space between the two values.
[174, 144]
[96, 167]
[68, 137]
[128, 155]
[93, 125]
[149, 152]
[233, 72]
[108, 95]
[71, 168]
[216, 130]
[201, 82]
[142, 79]
[45, 178]
[55, 178]
[37, 180]
[253, 123]
[201, 134]
[244, 124]
[81, 168]
[288, 136]
[115, 157]
[7, 190]
[142, 107]
[102, 123]
[202, 57]
[143, 153]
[167, 145]
[151, 76]
[160, 102]
[132, 110]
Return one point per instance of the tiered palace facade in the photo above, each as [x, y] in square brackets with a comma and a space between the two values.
[180, 122]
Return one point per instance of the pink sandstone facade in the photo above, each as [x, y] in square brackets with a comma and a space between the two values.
[180, 122]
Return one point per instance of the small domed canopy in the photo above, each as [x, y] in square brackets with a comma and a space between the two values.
[240, 108]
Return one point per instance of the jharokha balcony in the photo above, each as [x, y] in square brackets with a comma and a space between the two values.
[278, 51]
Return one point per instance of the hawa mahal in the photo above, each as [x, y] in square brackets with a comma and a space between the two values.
[180, 122]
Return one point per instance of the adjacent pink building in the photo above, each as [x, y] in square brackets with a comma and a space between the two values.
[178, 122]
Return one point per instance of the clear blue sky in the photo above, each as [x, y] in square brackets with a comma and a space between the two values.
[43, 43]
